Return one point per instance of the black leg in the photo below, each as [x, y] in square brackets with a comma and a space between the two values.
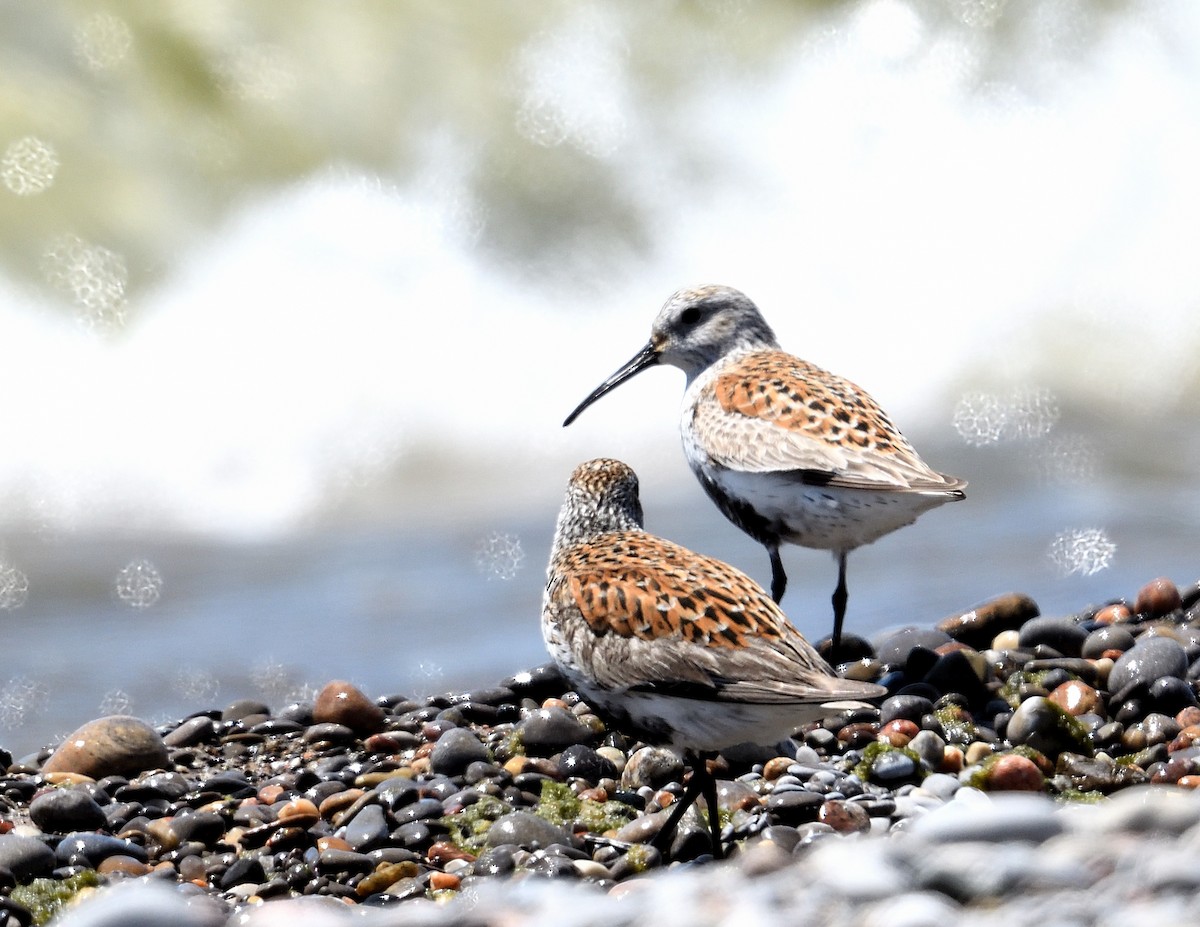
[701, 784]
[840, 596]
[778, 577]
[710, 799]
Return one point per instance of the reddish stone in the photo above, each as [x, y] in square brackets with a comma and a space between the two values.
[1014, 773]
[899, 732]
[441, 853]
[1113, 614]
[342, 703]
[1076, 697]
[444, 881]
[117, 745]
[1184, 739]
[846, 817]
[858, 735]
[1158, 597]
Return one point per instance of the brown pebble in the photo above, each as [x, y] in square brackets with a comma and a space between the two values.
[193, 869]
[1172, 771]
[339, 801]
[952, 759]
[122, 865]
[846, 817]
[299, 812]
[858, 735]
[774, 768]
[596, 794]
[340, 702]
[271, 793]
[332, 843]
[899, 732]
[1158, 597]
[67, 778]
[1188, 717]
[1076, 697]
[387, 874]
[1014, 773]
[163, 833]
[116, 745]
[981, 624]
[1186, 738]
[444, 881]
[977, 752]
[386, 742]
[441, 853]
[1189, 782]
[1113, 614]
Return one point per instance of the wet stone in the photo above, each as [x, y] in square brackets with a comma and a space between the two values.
[794, 807]
[341, 702]
[89, 849]
[1062, 634]
[1170, 695]
[62, 810]
[328, 732]
[582, 762]
[1149, 660]
[1112, 637]
[844, 816]
[455, 750]
[977, 627]
[653, 767]
[905, 707]
[25, 857]
[895, 648]
[193, 731]
[525, 830]
[548, 731]
[1042, 725]
[113, 745]
[893, 768]
[367, 829]
[1157, 598]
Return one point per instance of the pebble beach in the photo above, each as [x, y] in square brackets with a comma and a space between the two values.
[1022, 766]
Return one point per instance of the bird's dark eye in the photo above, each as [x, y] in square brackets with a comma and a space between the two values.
[690, 316]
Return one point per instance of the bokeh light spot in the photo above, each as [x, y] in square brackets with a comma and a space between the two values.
[14, 587]
[499, 556]
[29, 166]
[139, 584]
[1082, 551]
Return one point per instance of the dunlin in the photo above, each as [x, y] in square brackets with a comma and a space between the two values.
[677, 648]
[788, 451]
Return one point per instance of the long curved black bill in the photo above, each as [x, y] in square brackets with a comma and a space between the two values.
[646, 357]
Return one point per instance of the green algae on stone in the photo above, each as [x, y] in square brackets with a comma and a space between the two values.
[1011, 690]
[559, 805]
[875, 750]
[46, 897]
[469, 827]
[957, 725]
[638, 858]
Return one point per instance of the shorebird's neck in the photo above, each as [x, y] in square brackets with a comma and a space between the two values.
[716, 361]
[585, 517]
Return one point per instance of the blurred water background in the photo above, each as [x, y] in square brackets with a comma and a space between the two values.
[294, 297]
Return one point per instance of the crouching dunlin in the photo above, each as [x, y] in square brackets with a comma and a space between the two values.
[787, 451]
[677, 648]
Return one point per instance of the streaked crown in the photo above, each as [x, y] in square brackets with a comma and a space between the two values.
[700, 325]
[602, 497]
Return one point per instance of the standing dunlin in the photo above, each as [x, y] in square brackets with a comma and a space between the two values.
[679, 649]
[788, 451]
